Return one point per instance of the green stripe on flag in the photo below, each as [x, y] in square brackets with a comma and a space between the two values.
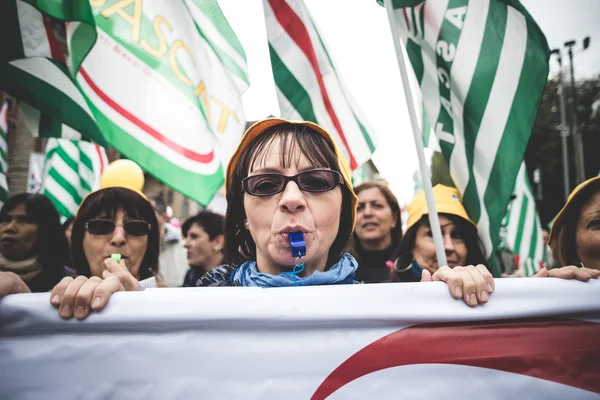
[292, 90]
[65, 184]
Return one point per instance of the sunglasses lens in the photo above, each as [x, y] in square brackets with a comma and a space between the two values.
[100, 227]
[137, 228]
[318, 181]
[264, 185]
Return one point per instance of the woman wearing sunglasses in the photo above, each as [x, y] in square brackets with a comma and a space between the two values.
[115, 240]
[288, 179]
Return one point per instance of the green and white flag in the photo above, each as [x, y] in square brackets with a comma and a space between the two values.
[523, 227]
[3, 153]
[161, 80]
[72, 169]
[308, 84]
[482, 66]
[34, 70]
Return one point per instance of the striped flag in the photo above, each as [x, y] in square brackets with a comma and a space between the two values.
[161, 80]
[34, 69]
[523, 227]
[482, 66]
[308, 85]
[3, 152]
[72, 169]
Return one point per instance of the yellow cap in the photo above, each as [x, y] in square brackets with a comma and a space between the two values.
[124, 174]
[259, 127]
[447, 201]
[559, 221]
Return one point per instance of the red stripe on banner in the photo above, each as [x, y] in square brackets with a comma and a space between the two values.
[294, 26]
[201, 158]
[562, 351]
[100, 156]
[55, 50]
[406, 20]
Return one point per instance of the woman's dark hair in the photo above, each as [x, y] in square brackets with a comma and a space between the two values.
[295, 140]
[52, 246]
[564, 232]
[211, 222]
[404, 255]
[108, 202]
[392, 203]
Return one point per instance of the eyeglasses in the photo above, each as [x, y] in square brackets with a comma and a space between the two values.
[314, 180]
[106, 227]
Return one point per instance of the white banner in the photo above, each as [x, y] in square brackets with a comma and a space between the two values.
[537, 338]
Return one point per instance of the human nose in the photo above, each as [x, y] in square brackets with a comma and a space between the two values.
[292, 198]
[186, 243]
[448, 244]
[12, 225]
[118, 237]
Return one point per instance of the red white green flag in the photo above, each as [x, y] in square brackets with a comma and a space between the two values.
[161, 80]
[308, 84]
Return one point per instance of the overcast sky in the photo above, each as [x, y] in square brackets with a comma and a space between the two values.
[358, 35]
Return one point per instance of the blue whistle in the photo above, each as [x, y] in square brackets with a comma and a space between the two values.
[297, 243]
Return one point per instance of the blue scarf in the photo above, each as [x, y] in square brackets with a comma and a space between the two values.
[340, 273]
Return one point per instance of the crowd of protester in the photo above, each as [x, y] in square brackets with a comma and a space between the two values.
[285, 177]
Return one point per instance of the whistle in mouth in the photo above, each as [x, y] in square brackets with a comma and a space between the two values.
[297, 244]
[116, 257]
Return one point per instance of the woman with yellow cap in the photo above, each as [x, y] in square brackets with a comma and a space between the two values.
[459, 234]
[290, 214]
[115, 239]
[575, 234]
[417, 256]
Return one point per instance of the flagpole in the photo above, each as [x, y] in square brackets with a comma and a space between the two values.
[434, 220]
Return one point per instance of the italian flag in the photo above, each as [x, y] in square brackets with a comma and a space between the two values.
[308, 84]
[159, 81]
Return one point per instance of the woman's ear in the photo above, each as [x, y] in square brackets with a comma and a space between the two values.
[219, 243]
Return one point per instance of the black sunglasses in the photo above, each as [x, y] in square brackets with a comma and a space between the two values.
[106, 227]
[314, 180]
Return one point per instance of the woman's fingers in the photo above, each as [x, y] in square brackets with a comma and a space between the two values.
[11, 283]
[542, 273]
[83, 299]
[104, 290]
[59, 290]
[67, 302]
[487, 275]
[594, 273]
[425, 276]
[114, 267]
[481, 286]
[452, 279]
[570, 272]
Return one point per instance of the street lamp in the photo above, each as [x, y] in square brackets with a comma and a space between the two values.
[577, 141]
[564, 128]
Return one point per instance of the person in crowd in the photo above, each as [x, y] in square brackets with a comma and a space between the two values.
[68, 228]
[172, 265]
[33, 247]
[462, 246]
[286, 178]
[550, 261]
[378, 231]
[575, 234]
[116, 220]
[503, 252]
[459, 234]
[204, 242]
